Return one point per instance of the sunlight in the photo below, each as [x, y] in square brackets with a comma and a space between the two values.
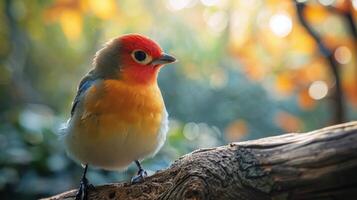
[238, 26]
[210, 2]
[280, 24]
[354, 4]
[327, 2]
[318, 90]
[175, 5]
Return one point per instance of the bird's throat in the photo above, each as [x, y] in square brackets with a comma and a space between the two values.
[140, 75]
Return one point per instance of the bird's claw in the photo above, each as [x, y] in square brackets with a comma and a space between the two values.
[139, 177]
[84, 187]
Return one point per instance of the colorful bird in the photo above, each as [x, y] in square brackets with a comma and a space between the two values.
[119, 116]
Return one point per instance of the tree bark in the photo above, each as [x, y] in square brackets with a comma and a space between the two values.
[315, 165]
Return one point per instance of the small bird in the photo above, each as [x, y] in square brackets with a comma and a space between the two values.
[118, 115]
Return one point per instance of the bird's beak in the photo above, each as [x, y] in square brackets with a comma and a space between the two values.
[163, 59]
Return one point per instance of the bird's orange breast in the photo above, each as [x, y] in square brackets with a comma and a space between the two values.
[115, 107]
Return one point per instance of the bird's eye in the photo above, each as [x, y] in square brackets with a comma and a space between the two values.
[141, 57]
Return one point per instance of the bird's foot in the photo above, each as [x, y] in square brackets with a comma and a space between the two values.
[139, 177]
[84, 187]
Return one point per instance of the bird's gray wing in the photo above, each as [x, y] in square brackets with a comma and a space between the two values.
[85, 83]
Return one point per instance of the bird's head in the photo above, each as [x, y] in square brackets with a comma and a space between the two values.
[133, 58]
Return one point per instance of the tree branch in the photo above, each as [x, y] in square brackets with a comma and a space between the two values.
[352, 27]
[347, 14]
[337, 93]
[316, 165]
[351, 24]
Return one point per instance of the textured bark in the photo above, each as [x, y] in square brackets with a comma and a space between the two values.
[316, 165]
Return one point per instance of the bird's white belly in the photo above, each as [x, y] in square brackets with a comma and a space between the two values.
[116, 148]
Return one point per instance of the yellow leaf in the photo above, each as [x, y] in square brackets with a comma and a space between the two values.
[301, 41]
[284, 83]
[71, 23]
[103, 9]
[54, 11]
[315, 13]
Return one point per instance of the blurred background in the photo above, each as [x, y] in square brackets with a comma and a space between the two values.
[248, 69]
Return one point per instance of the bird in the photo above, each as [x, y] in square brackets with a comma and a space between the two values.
[118, 115]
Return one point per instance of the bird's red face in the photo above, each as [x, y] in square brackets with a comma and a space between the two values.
[141, 58]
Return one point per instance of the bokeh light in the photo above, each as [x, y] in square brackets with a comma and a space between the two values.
[343, 55]
[210, 2]
[280, 24]
[191, 131]
[354, 4]
[178, 4]
[216, 21]
[327, 2]
[318, 90]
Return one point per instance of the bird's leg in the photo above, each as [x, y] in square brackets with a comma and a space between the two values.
[82, 193]
[140, 175]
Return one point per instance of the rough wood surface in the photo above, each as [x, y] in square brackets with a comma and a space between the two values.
[316, 165]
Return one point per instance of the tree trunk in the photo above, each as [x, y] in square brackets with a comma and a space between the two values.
[316, 165]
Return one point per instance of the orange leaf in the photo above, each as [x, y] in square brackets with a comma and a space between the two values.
[305, 101]
[284, 84]
[350, 86]
[288, 122]
[343, 5]
[315, 13]
[236, 130]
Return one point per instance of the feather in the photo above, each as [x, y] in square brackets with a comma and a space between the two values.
[85, 83]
